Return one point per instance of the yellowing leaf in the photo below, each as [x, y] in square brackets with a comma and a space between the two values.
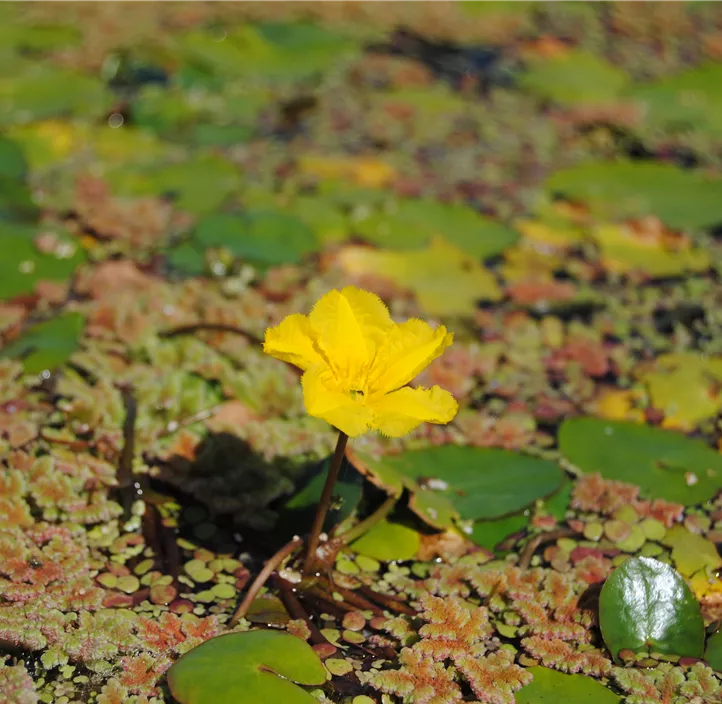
[650, 250]
[360, 170]
[556, 235]
[685, 387]
[444, 279]
[619, 404]
[691, 552]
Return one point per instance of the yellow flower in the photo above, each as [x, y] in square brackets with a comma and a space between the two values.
[357, 363]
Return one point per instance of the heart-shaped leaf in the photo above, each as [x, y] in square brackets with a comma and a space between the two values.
[255, 667]
[663, 463]
[552, 687]
[646, 606]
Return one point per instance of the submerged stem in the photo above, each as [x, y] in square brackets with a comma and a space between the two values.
[325, 502]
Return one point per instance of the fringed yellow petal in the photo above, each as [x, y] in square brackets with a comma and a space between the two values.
[339, 409]
[293, 340]
[351, 324]
[400, 412]
[408, 348]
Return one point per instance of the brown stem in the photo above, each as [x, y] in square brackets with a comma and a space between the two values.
[351, 597]
[324, 503]
[126, 490]
[390, 602]
[369, 522]
[211, 327]
[538, 540]
[295, 608]
[263, 576]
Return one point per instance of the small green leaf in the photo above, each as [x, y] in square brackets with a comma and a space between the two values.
[411, 224]
[665, 464]
[713, 652]
[488, 534]
[387, 542]
[646, 606]
[255, 667]
[266, 237]
[622, 189]
[47, 345]
[22, 265]
[552, 687]
[691, 552]
[575, 78]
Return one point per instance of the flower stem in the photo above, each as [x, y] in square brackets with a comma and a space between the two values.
[325, 502]
[263, 576]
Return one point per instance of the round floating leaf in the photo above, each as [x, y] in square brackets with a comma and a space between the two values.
[43, 91]
[411, 224]
[47, 345]
[22, 265]
[688, 100]
[480, 483]
[552, 687]
[575, 78]
[199, 185]
[255, 667]
[262, 236]
[273, 51]
[387, 542]
[680, 198]
[713, 651]
[646, 606]
[663, 463]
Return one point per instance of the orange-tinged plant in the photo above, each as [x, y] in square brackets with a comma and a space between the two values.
[357, 363]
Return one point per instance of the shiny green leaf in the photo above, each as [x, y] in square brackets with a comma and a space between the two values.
[646, 606]
[552, 687]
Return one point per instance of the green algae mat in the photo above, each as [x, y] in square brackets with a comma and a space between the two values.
[542, 179]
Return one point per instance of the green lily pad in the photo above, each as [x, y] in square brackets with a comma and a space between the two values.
[47, 345]
[680, 198]
[646, 606]
[713, 651]
[199, 185]
[13, 165]
[689, 100]
[480, 483]
[261, 236]
[488, 534]
[273, 51]
[664, 464]
[411, 224]
[552, 687]
[388, 542]
[575, 78]
[22, 265]
[44, 91]
[253, 666]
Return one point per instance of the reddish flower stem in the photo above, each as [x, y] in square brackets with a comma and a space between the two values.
[324, 503]
[263, 576]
